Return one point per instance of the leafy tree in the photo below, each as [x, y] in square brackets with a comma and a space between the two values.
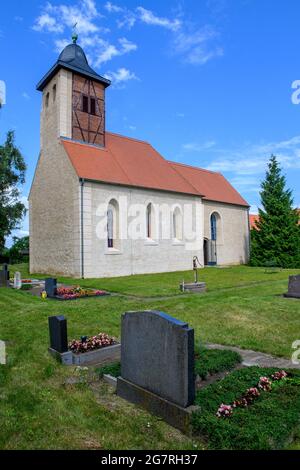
[12, 174]
[277, 238]
[19, 249]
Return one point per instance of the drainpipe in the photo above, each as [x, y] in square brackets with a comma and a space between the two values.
[81, 228]
[249, 235]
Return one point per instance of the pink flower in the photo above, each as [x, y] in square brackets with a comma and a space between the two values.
[279, 375]
[265, 384]
[224, 411]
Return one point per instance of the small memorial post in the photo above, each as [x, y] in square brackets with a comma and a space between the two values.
[17, 280]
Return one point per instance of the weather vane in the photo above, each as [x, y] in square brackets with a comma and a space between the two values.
[74, 34]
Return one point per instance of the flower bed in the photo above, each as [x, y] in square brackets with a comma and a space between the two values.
[72, 293]
[86, 344]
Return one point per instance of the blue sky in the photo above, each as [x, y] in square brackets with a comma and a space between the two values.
[207, 82]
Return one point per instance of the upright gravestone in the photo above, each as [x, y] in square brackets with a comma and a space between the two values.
[17, 280]
[58, 333]
[294, 287]
[157, 365]
[59, 339]
[51, 286]
[4, 276]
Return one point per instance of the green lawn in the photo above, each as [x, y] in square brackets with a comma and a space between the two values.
[167, 284]
[243, 307]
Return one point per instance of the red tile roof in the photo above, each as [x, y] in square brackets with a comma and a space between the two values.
[132, 162]
[128, 162]
[212, 185]
[253, 218]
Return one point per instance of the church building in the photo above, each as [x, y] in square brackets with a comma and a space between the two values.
[102, 204]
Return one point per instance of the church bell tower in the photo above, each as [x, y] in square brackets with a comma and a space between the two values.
[73, 99]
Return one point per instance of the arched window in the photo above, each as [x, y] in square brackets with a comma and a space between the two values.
[213, 227]
[216, 230]
[149, 221]
[113, 224]
[177, 224]
[47, 100]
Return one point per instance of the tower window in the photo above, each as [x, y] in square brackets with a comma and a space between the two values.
[93, 106]
[47, 100]
[85, 104]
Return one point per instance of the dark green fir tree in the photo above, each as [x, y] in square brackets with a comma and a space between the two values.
[277, 238]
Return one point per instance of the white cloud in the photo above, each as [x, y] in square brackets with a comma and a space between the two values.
[55, 18]
[127, 21]
[197, 147]
[127, 46]
[196, 47]
[25, 95]
[121, 76]
[148, 17]
[251, 159]
[103, 51]
[112, 8]
[45, 22]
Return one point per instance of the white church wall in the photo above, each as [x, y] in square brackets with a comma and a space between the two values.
[136, 256]
[233, 232]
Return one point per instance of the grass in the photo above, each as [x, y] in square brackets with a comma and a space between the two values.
[167, 284]
[243, 307]
[268, 423]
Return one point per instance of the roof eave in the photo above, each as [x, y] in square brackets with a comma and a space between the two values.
[59, 64]
[209, 199]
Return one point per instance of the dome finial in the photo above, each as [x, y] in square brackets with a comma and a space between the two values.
[74, 34]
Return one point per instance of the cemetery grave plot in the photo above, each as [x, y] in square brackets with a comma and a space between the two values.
[64, 293]
[266, 420]
[248, 408]
[99, 349]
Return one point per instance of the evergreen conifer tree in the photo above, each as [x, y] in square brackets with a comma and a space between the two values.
[277, 238]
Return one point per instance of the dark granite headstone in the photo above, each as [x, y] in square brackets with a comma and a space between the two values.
[4, 276]
[157, 354]
[294, 287]
[58, 333]
[50, 286]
